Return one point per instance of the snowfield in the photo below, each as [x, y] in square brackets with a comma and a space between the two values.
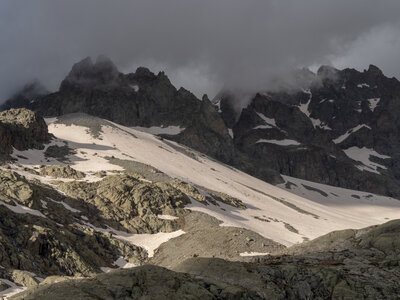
[285, 215]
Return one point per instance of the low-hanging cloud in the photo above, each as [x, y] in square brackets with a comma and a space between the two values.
[202, 45]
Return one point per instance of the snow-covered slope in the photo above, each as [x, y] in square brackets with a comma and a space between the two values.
[287, 216]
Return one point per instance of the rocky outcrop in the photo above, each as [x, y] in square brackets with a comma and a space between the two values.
[129, 203]
[58, 171]
[22, 129]
[41, 231]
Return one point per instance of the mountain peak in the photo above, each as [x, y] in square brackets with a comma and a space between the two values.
[327, 72]
[88, 75]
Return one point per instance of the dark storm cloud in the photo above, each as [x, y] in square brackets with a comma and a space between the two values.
[203, 45]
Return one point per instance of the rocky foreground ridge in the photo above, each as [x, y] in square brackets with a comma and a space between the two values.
[351, 264]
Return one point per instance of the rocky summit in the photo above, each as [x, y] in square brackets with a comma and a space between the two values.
[120, 186]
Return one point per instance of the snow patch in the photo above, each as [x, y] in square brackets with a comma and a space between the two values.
[363, 155]
[304, 108]
[167, 217]
[263, 127]
[106, 269]
[230, 131]
[135, 87]
[253, 253]
[285, 142]
[268, 121]
[122, 263]
[363, 85]
[373, 102]
[20, 209]
[12, 290]
[148, 241]
[44, 204]
[66, 206]
[341, 138]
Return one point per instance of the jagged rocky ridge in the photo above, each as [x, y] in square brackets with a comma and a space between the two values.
[341, 129]
[145, 99]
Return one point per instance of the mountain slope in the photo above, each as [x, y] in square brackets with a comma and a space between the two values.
[265, 203]
[101, 196]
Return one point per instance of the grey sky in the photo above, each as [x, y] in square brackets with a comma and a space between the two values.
[202, 45]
